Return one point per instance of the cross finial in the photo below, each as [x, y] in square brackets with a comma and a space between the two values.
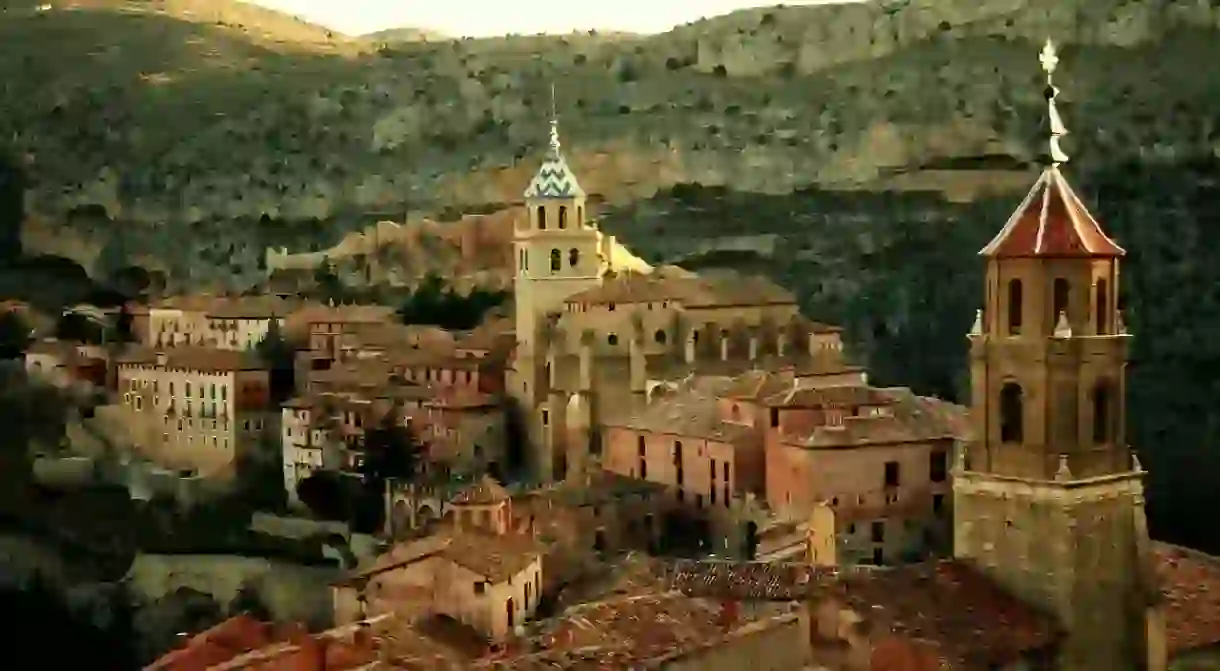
[1049, 59]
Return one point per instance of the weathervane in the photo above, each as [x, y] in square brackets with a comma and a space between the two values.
[554, 124]
[1050, 60]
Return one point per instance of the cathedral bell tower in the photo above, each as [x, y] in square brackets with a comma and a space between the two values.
[557, 253]
[1048, 496]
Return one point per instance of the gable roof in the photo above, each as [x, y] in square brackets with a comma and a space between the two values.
[1051, 222]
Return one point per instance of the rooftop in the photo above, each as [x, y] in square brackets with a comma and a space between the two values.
[1051, 222]
[493, 556]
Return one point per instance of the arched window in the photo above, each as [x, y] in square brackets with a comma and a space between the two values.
[612, 339]
[556, 261]
[541, 217]
[1015, 301]
[1012, 414]
[563, 216]
[1103, 308]
[1060, 298]
[580, 215]
[659, 336]
[1103, 413]
[573, 257]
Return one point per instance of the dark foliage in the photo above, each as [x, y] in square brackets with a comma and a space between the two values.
[280, 357]
[248, 601]
[391, 452]
[12, 205]
[435, 303]
[39, 609]
[330, 495]
[14, 334]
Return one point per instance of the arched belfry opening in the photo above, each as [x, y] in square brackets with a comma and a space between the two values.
[1102, 306]
[1015, 304]
[1103, 412]
[1061, 296]
[1012, 413]
[541, 217]
[563, 216]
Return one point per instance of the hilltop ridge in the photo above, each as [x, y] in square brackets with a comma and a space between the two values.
[174, 119]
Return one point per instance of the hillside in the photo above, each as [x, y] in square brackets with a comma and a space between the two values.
[206, 117]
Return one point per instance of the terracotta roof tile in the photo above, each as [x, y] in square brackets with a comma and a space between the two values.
[1190, 583]
[234, 636]
[1051, 222]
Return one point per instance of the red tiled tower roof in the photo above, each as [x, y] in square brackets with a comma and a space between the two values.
[1051, 222]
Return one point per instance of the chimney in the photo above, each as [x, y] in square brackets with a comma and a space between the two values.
[724, 344]
[689, 352]
[753, 346]
[638, 365]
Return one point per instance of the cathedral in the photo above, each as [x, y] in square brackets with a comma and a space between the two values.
[598, 329]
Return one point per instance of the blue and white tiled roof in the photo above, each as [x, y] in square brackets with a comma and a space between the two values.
[554, 178]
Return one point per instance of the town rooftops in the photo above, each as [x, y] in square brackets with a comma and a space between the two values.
[496, 557]
[1051, 222]
[201, 359]
[486, 491]
[692, 291]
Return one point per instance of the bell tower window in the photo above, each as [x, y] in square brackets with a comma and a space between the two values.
[1103, 409]
[1103, 308]
[1060, 299]
[556, 261]
[1015, 300]
[563, 216]
[580, 215]
[541, 217]
[573, 257]
[1012, 413]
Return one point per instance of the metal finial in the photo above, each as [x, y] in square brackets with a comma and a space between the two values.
[554, 124]
[1049, 59]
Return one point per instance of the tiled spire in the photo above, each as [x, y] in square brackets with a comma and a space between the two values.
[554, 178]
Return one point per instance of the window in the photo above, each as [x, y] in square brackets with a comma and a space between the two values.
[878, 532]
[659, 337]
[891, 474]
[878, 557]
[573, 257]
[938, 465]
[774, 418]
[639, 443]
[541, 217]
[1060, 299]
[510, 612]
[563, 216]
[556, 262]
[677, 452]
[1102, 413]
[725, 470]
[1103, 309]
[938, 503]
[1012, 414]
[580, 214]
[521, 259]
[546, 418]
[1014, 307]
[612, 339]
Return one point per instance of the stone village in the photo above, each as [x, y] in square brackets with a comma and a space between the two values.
[704, 480]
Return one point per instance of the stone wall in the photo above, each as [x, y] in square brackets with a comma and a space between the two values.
[292, 592]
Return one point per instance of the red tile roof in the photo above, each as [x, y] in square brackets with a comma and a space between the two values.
[1051, 222]
[217, 645]
[1190, 584]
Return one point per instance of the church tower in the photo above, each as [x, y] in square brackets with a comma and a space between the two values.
[1048, 496]
[557, 253]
